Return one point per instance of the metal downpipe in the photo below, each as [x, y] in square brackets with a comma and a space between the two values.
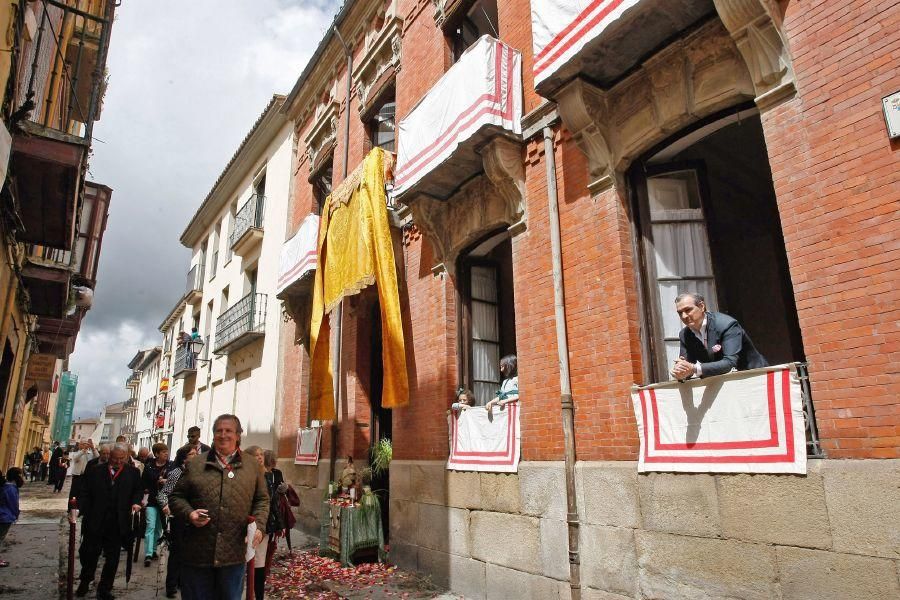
[339, 311]
[565, 384]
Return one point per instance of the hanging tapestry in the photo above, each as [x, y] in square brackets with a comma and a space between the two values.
[354, 252]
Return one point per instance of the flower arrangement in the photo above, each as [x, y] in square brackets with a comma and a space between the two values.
[382, 454]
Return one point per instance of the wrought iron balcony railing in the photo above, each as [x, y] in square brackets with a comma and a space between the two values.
[241, 324]
[65, 65]
[47, 256]
[133, 380]
[195, 280]
[247, 221]
[185, 362]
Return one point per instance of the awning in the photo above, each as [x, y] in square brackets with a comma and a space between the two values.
[483, 88]
[298, 255]
[602, 39]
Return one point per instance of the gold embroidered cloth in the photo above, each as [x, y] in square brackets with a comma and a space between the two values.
[355, 251]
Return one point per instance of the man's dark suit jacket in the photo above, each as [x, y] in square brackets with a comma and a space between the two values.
[736, 352]
[98, 494]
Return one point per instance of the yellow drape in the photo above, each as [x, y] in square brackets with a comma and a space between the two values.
[355, 251]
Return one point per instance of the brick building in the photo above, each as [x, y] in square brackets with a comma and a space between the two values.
[733, 147]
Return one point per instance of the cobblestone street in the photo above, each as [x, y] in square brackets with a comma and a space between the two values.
[36, 551]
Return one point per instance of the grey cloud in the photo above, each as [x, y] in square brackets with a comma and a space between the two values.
[187, 81]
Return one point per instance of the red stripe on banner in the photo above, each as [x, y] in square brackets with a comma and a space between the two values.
[788, 414]
[508, 457]
[587, 25]
[509, 429]
[493, 100]
[788, 456]
[772, 442]
[309, 257]
[645, 420]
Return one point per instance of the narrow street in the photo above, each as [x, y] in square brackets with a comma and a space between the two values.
[36, 550]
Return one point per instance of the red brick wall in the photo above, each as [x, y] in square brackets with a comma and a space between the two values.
[836, 177]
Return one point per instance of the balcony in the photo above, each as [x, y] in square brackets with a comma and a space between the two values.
[129, 404]
[298, 260]
[441, 139]
[62, 78]
[248, 225]
[602, 41]
[47, 274]
[185, 362]
[194, 291]
[57, 335]
[242, 324]
[133, 380]
[126, 430]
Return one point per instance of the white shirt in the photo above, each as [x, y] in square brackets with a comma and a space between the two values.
[701, 335]
[81, 458]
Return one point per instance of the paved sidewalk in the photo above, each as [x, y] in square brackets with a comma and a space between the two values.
[36, 548]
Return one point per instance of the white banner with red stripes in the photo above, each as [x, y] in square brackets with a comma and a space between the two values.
[485, 442]
[741, 422]
[561, 28]
[298, 254]
[308, 442]
[484, 87]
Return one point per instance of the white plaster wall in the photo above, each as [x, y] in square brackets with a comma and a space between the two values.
[215, 390]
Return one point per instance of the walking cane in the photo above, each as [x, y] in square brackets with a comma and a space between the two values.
[70, 574]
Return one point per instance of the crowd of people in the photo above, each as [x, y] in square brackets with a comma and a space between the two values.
[199, 504]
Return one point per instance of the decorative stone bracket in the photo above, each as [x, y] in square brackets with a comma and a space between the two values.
[693, 77]
[484, 204]
[756, 27]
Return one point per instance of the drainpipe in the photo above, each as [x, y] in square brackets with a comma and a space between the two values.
[565, 384]
[339, 311]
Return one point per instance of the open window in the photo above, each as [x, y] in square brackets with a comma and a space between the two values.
[468, 23]
[321, 181]
[709, 223]
[487, 319]
[381, 126]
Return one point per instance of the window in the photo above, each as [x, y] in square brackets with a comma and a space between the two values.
[382, 125]
[321, 182]
[250, 286]
[463, 31]
[709, 224]
[487, 314]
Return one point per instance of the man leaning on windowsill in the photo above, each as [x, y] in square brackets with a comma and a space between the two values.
[712, 343]
[215, 496]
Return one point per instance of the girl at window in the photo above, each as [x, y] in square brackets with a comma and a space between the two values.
[509, 386]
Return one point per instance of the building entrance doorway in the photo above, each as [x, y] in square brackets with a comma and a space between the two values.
[708, 222]
[380, 418]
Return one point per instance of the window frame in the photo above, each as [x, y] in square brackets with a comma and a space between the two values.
[464, 335]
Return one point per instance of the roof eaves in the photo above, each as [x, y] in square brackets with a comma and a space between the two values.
[314, 59]
[271, 109]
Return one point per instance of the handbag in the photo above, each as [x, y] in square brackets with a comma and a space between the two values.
[292, 497]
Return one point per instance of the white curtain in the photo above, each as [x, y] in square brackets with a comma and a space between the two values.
[485, 333]
[681, 249]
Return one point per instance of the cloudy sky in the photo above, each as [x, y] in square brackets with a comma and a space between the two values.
[187, 81]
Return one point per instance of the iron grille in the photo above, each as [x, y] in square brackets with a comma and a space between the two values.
[195, 279]
[247, 316]
[66, 66]
[184, 360]
[249, 217]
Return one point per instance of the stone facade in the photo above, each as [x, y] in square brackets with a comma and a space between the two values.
[812, 74]
[832, 534]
